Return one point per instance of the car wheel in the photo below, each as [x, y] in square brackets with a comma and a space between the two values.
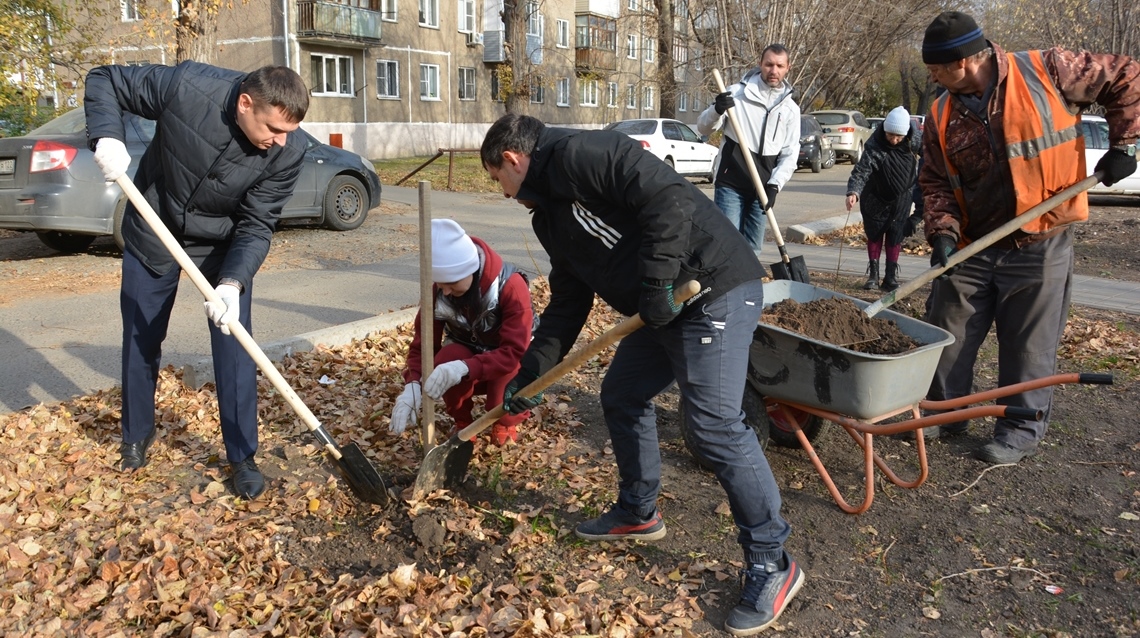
[65, 242]
[817, 162]
[117, 222]
[346, 203]
[857, 154]
[829, 161]
[755, 417]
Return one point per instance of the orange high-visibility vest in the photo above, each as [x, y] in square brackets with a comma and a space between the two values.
[1043, 144]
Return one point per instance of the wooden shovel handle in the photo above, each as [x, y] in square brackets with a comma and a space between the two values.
[573, 360]
[236, 329]
[748, 161]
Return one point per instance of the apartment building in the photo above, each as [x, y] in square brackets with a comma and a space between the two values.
[397, 78]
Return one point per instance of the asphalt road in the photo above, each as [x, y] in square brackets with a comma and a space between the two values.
[56, 348]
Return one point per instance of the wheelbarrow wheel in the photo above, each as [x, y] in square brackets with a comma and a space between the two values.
[755, 417]
[780, 430]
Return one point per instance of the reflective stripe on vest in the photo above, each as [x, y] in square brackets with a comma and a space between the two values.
[1044, 146]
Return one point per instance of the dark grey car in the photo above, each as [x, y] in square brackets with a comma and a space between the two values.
[49, 184]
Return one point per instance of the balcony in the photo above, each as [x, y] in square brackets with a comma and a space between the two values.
[337, 24]
[594, 60]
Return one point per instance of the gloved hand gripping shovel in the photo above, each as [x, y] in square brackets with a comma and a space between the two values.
[361, 476]
[793, 268]
[446, 464]
[984, 242]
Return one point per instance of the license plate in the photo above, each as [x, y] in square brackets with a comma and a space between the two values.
[7, 166]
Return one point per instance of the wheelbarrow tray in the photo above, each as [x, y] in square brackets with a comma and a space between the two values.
[791, 367]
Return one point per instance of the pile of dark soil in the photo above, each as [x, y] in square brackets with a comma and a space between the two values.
[839, 321]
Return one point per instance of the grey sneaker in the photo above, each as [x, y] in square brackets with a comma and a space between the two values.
[999, 453]
[766, 591]
[618, 524]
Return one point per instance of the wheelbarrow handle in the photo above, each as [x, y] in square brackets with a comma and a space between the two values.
[1095, 378]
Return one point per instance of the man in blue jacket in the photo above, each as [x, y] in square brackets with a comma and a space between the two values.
[223, 162]
[618, 222]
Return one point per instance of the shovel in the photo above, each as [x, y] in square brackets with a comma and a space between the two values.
[361, 476]
[793, 268]
[984, 242]
[446, 464]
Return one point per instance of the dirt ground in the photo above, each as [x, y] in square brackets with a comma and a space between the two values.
[1050, 547]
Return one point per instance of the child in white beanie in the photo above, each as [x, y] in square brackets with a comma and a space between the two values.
[883, 183]
[483, 322]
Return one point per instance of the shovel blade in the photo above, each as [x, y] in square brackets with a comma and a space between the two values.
[362, 477]
[795, 270]
[444, 466]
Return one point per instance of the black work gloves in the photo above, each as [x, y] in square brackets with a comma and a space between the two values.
[771, 190]
[518, 404]
[911, 224]
[1116, 165]
[723, 102]
[656, 305]
[941, 247]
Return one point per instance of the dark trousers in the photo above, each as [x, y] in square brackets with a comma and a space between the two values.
[146, 300]
[707, 355]
[1025, 293]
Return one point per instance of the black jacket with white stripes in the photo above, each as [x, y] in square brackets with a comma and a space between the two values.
[610, 215]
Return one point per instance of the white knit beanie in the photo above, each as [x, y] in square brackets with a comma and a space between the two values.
[897, 122]
[453, 254]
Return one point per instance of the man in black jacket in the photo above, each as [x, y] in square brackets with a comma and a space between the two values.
[618, 222]
[224, 160]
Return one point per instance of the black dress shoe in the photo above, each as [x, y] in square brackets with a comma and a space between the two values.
[133, 455]
[248, 481]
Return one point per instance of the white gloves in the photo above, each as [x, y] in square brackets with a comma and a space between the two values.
[444, 377]
[112, 157]
[407, 407]
[229, 310]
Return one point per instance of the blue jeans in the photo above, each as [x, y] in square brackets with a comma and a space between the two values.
[146, 301]
[743, 210]
[707, 355]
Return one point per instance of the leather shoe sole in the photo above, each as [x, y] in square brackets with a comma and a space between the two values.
[132, 456]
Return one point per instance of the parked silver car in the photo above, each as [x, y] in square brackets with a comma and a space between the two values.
[847, 130]
[49, 184]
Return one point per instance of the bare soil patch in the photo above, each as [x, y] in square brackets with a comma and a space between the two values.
[840, 322]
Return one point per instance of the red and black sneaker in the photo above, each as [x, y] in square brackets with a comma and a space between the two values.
[618, 524]
[766, 591]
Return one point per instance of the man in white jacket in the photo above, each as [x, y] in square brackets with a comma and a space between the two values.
[770, 120]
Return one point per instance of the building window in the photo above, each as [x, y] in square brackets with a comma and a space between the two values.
[633, 5]
[429, 82]
[680, 52]
[650, 49]
[466, 16]
[631, 46]
[589, 91]
[683, 102]
[388, 10]
[563, 34]
[630, 97]
[533, 19]
[595, 32]
[331, 75]
[387, 79]
[429, 13]
[647, 103]
[537, 91]
[563, 91]
[129, 10]
[496, 89]
[466, 83]
[612, 95]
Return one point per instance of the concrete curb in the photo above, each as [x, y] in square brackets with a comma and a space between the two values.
[197, 374]
[801, 232]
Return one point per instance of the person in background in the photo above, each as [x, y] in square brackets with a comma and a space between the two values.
[1003, 138]
[482, 325]
[621, 224]
[883, 184]
[770, 120]
[224, 161]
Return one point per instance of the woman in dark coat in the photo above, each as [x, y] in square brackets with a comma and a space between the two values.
[883, 182]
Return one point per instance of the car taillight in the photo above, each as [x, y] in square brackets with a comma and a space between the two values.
[645, 145]
[846, 129]
[51, 156]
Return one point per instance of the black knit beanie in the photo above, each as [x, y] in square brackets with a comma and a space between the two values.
[952, 36]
